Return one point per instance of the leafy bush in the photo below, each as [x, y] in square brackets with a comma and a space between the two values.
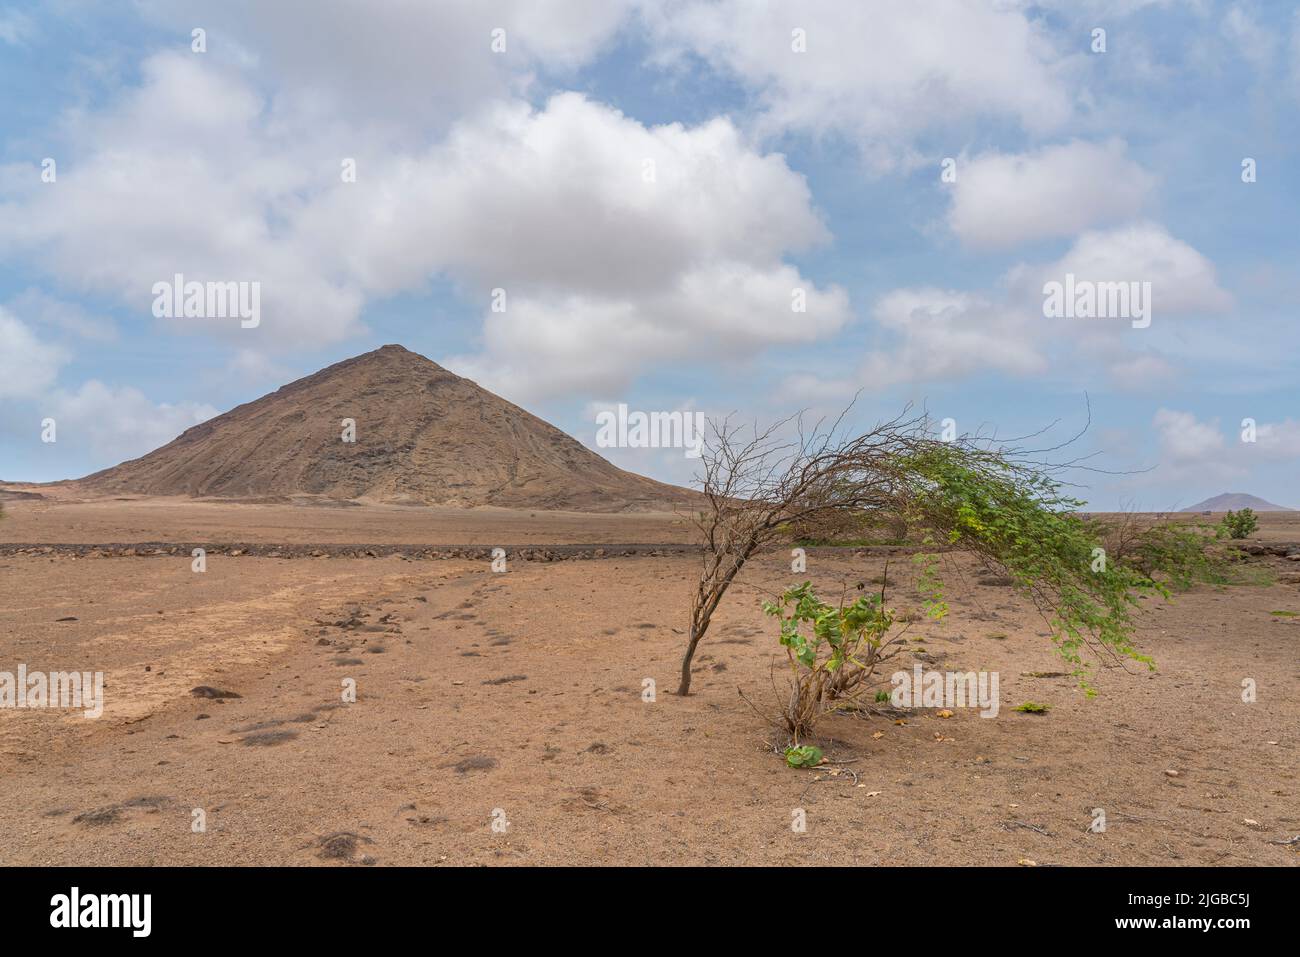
[1239, 524]
[833, 650]
[1179, 554]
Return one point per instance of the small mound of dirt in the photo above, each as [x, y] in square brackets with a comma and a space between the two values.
[267, 739]
[476, 762]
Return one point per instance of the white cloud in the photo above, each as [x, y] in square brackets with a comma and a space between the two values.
[1139, 372]
[936, 335]
[408, 66]
[1278, 440]
[605, 271]
[557, 197]
[1182, 280]
[120, 423]
[879, 77]
[1191, 449]
[1116, 8]
[543, 346]
[27, 365]
[16, 27]
[1256, 44]
[157, 185]
[941, 335]
[1184, 439]
[1001, 199]
[65, 316]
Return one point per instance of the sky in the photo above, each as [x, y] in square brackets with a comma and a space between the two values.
[736, 206]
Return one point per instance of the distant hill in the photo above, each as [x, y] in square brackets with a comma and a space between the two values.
[1236, 501]
[423, 436]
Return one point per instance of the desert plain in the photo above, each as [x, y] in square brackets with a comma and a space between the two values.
[505, 717]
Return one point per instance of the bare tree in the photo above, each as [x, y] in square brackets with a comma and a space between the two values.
[757, 484]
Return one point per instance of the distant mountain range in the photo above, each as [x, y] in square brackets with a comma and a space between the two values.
[1236, 501]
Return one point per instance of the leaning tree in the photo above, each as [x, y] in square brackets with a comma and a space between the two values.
[1003, 504]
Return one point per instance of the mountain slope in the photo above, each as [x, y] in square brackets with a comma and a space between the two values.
[423, 435]
[1235, 501]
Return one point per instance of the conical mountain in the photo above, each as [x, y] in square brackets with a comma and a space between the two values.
[423, 436]
[1234, 501]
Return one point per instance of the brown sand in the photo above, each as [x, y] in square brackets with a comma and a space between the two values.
[522, 692]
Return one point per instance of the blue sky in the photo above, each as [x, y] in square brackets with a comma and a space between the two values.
[793, 146]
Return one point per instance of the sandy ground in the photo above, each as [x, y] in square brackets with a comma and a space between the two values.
[65, 518]
[517, 698]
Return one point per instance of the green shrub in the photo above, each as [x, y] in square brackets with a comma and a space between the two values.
[1239, 524]
[833, 650]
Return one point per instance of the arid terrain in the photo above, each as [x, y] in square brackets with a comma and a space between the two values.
[517, 697]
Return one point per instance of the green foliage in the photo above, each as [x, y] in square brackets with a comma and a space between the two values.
[1239, 524]
[833, 649]
[1019, 519]
[836, 635]
[1181, 554]
[1177, 553]
[803, 756]
[1033, 707]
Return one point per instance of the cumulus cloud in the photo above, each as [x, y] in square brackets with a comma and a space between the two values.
[408, 66]
[1278, 440]
[119, 422]
[1183, 282]
[1189, 448]
[935, 335]
[880, 79]
[542, 346]
[65, 316]
[617, 244]
[157, 187]
[1002, 199]
[1192, 448]
[941, 334]
[28, 366]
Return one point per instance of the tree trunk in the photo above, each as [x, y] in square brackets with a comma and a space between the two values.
[684, 688]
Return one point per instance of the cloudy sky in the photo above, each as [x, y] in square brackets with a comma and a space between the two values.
[654, 185]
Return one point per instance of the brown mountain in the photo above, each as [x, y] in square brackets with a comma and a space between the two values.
[423, 436]
[1234, 501]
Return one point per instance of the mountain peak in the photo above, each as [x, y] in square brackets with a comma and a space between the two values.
[386, 426]
[1235, 501]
